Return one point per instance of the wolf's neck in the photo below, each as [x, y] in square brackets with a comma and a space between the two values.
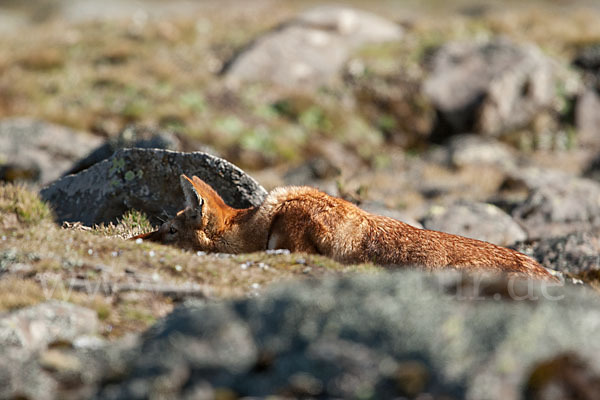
[248, 231]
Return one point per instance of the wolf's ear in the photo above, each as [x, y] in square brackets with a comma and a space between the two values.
[192, 197]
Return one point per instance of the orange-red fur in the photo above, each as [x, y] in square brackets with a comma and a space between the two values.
[304, 219]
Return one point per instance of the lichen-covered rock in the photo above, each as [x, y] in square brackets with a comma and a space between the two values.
[480, 221]
[146, 180]
[38, 151]
[131, 136]
[488, 87]
[310, 49]
[384, 336]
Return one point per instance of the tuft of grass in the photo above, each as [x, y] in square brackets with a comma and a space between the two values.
[132, 223]
[25, 204]
[17, 293]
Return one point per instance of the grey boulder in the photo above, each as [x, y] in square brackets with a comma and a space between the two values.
[310, 49]
[146, 180]
[38, 151]
[480, 221]
[488, 88]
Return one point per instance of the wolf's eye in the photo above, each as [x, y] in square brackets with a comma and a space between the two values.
[172, 230]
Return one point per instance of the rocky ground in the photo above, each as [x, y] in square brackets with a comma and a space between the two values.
[479, 119]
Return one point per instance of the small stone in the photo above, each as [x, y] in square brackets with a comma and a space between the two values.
[151, 253]
[277, 251]
[56, 360]
[88, 342]
[139, 241]
[178, 268]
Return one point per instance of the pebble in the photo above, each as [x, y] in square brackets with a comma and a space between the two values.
[277, 251]
[151, 253]
[139, 241]
[88, 342]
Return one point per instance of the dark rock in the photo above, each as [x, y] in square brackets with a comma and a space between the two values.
[592, 171]
[566, 376]
[475, 220]
[557, 203]
[588, 57]
[20, 171]
[576, 253]
[130, 137]
[382, 336]
[587, 60]
[37, 151]
[310, 49]
[145, 180]
[488, 88]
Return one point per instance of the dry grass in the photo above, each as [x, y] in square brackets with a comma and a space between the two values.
[129, 284]
[17, 201]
